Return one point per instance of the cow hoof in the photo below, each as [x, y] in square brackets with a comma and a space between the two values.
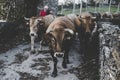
[53, 75]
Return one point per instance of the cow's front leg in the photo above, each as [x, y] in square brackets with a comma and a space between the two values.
[40, 49]
[32, 43]
[65, 60]
[54, 73]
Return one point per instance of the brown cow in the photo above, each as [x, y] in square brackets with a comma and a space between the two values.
[87, 21]
[38, 24]
[116, 18]
[116, 15]
[107, 16]
[88, 27]
[59, 37]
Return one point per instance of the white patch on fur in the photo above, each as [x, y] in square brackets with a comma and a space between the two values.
[39, 19]
[58, 53]
[32, 43]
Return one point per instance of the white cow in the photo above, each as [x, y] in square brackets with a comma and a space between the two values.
[36, 24]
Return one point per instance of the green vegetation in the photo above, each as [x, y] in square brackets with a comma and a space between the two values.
[90, 9]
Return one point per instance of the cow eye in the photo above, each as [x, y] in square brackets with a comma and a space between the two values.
[53, 40]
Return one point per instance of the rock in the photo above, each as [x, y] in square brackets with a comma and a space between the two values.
[109, 40]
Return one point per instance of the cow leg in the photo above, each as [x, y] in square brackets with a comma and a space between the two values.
[65, 60]
[66, 55]
[81, 35]
[54, 73]
[82, 43]
[32, 44]
[40, 46]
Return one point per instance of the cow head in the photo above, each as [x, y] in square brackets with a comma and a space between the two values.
[97, 15]
[116, 15]
[33, 22]
[87, 23]
[58, 40]
[107, 15]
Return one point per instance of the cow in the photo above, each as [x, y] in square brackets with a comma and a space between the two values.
[38, 26]
[87, 33]
[97, 15]
[116, 15]
[59, 36]
[116, 18]
[106, 16]
[88, 27]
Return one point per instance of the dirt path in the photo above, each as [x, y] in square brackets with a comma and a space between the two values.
[19, 64]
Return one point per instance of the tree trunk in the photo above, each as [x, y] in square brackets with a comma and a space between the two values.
[73, 6]
[118, 8]
[110, 6]
[80, 6]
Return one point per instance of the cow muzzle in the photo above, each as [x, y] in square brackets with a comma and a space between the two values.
[59, 54]
[33, 34]
[88, 34]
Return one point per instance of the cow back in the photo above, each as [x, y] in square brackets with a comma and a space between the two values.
[48, 19]
[61, 22]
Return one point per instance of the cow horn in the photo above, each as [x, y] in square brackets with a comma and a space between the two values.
[70, 30]
[93, 17]
[26, 18]
[49, 30]
[81, 17]
[39, 19]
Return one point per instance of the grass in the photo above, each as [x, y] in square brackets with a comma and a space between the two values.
[90, 9]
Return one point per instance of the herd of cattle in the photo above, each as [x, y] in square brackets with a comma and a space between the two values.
[59, 32]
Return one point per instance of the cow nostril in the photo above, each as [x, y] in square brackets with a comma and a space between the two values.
[59, 55]
[32, 34]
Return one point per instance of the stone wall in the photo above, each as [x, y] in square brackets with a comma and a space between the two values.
[12, 10]
[109, 51]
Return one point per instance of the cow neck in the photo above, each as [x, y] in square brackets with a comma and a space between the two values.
[74, 23]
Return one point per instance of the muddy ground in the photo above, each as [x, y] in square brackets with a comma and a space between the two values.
[18, 63]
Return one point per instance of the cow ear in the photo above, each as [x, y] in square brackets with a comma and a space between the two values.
[39, 19]
[27, 22]
[80, 18]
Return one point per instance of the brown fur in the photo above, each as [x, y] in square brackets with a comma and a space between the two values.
[47, 20]
[57, 27]
[59, 36]
[116, 15]
[69, 21]
[87, 21]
